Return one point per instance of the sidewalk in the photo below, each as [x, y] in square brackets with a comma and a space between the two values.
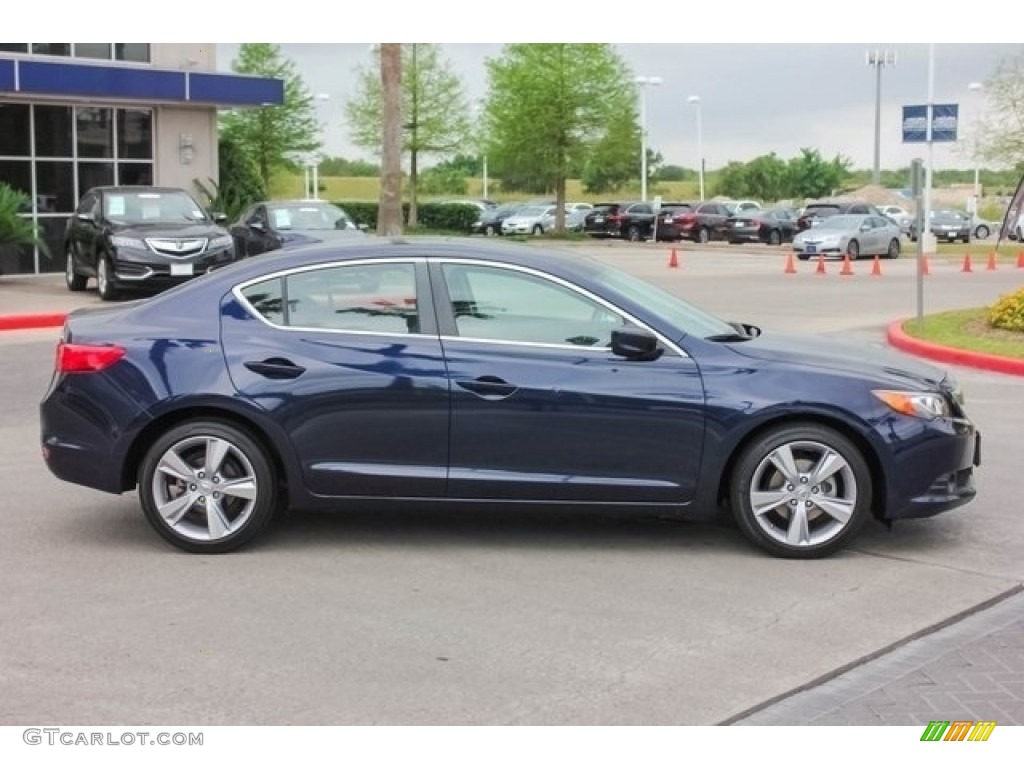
[33, 294]
[972, 669]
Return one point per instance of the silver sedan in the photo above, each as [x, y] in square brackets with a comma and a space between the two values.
[854, 235]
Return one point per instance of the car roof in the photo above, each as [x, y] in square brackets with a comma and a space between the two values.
[136, 188]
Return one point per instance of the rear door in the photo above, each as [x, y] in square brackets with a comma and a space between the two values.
[347, 359]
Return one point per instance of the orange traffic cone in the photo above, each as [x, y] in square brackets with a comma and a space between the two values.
[967, 263]
[847, 265]
[991, 261]
[821, 265]
[673, 260]
[1020, 259]
[876, 268]
[790, 266]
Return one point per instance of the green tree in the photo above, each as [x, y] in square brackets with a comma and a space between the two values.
[240, 184]
[270, 135]
[676, 173]
[15, 229]
[1001, 131]
[339, 166]
[435, 114]
[812, 176]
[767, 178]
[731, 180]
[549, 104]
[613, 161]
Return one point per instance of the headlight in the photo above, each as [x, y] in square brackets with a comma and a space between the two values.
[127, 242]
[925, 405]
[221, 241]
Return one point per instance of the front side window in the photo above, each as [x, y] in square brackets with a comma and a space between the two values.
[501, 304]
[365, 298]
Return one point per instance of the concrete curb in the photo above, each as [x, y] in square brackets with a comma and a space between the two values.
[899, 339]
[24, 322]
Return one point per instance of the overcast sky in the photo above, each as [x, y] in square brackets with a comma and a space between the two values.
[755, 98]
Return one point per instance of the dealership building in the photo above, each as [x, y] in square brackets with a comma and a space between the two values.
[80, 115]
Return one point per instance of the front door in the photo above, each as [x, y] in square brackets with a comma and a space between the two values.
[542, 409]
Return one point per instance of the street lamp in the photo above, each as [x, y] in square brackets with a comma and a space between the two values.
[643, 82]
[879, 59]
[695, 100]
[481, 115]
[315, 159]
[976, 88]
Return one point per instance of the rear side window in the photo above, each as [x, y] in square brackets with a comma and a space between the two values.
[822, 210]
[360, 298]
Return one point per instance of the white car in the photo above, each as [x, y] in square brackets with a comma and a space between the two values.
[849, 234]
[531, 220]
[900, 216]
[739, 206]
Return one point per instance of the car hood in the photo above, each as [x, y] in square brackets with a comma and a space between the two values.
[886, 365]
[817, 233]
[170, 229]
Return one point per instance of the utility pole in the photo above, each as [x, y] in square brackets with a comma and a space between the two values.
[389, 214]
[879, 59]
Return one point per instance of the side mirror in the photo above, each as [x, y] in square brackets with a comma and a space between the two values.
[746, 329]
[257, 225]
[362, 227]
[86, 217]
[635, 344]
[219, 218]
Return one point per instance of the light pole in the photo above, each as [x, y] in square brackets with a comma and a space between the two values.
[316, 158]
[976, 88]
[643, 82]
[481, 115]
[695, 100]
[879, 59]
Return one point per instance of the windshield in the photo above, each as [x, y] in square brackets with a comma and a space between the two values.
[695, 322]
[306, 216]
[129, 207]
[840, 221]
[951, 216]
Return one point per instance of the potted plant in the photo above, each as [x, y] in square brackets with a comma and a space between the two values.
[15, 229]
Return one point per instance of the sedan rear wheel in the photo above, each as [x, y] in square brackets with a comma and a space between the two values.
[853, 250]
[703, 235]
[207, 486]
[801, 491]
[894, 249]
[981, 232]
[633, 233]
[774, 237]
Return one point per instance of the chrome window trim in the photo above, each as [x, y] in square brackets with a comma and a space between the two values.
[565, 284]
[240, 297]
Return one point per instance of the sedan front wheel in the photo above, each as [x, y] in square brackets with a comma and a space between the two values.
[801, 491]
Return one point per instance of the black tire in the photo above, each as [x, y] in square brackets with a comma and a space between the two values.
[633, 233]
[73, 280]
[490, 230]
[105, 282]
[703, 235]
[244, 456]
[981, 232]
[853, 250]
[775, 237]
[773, 530]
[894, 249]
[964, 240]
[538, 229]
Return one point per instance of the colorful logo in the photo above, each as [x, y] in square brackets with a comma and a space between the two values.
[958, 730]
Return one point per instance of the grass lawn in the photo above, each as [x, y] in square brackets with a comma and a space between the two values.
[967, 329]
[979, 250]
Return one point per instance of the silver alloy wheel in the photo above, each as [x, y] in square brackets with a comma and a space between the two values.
[69, 269]
[204, 488]
[803, 494]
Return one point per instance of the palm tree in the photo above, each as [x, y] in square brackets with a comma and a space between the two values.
[15, 229]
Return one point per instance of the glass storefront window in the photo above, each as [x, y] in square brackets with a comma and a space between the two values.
[14, 130]
[14, 47]
[135, 174]
[134, 134]
[92, 50]
[94, 175]
[53, 131]
[52, 49]
[55, 186]
[131, 52]
[95, 131]
[17, 174]
[51, 230]
[17, 260]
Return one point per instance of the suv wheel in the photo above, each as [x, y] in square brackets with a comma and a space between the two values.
[703, 235]
[105, 279]
[75, 281]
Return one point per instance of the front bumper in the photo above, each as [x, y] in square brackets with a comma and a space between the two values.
[150, 271]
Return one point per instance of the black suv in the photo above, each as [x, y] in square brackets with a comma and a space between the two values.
[145, 238]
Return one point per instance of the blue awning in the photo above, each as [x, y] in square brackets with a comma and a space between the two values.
[75, 80]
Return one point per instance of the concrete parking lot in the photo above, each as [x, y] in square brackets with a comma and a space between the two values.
[500, 619]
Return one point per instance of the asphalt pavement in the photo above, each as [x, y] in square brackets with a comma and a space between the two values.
[523, 618]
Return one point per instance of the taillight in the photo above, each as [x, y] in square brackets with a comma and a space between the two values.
[615, 217]
[86, 358]
[687, 218]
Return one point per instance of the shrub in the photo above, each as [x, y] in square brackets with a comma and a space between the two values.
[1008, 312]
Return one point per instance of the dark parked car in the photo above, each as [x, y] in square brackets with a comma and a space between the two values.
[476, 374]
[143, 238]
[773, 226]
[268, 226]
[947, 225]
[490, 221]
[700, 222]
[630, 221]
[815, 213]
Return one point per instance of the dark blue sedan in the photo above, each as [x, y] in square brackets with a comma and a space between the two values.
[422, 370]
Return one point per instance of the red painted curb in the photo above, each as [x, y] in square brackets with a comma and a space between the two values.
[899, 339]
[22, 322]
